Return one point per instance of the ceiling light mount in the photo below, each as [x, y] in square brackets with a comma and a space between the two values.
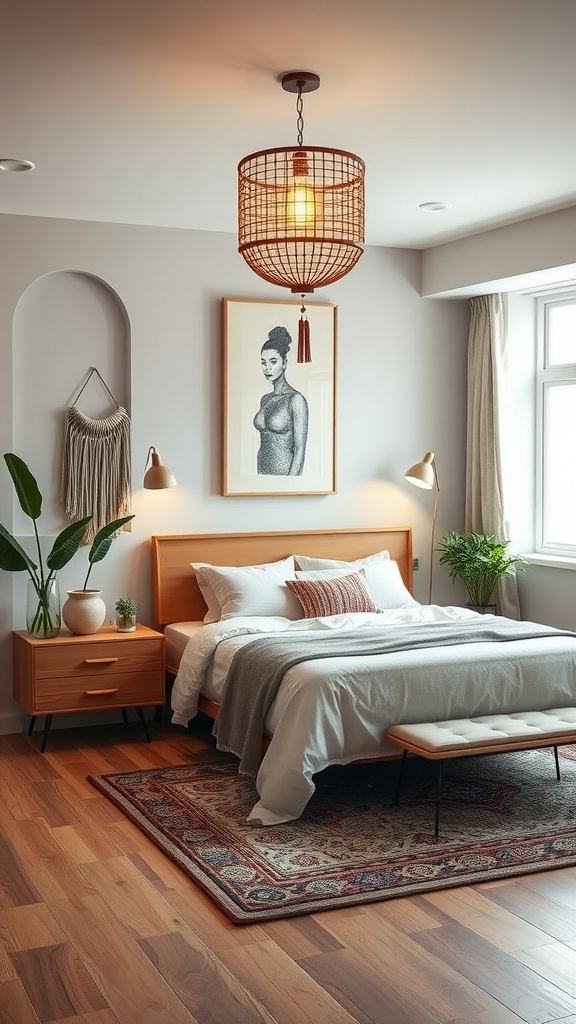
[300, 81]
[435, 206]
[11, 163]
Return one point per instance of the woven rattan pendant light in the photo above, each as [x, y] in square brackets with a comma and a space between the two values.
[301, 211]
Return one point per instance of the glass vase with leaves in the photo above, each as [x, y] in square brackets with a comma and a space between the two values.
[43, 607]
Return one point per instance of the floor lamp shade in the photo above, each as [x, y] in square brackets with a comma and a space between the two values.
[157, 476]
[424, 474]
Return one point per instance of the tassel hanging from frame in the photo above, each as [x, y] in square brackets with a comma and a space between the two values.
[303, 336]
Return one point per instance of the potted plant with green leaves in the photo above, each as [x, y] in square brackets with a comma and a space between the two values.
[479, 560]
[126, 610]
[43, 615]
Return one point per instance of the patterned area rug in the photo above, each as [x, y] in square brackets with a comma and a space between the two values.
[500, 815]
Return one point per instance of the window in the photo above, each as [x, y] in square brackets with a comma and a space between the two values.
[556, 425]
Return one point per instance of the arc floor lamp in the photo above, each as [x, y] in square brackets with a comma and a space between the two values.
[425, 474]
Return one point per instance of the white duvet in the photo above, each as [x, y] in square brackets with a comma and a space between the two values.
[336, 710]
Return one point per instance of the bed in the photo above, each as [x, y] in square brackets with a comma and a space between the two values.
[319, 657]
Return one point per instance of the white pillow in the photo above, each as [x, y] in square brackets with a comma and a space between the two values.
[385, 583]
[213, 614]
[253, 590]
[383, 580]
[305, 562]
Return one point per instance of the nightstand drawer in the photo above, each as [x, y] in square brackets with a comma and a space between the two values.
[91, 692]
[104, 659]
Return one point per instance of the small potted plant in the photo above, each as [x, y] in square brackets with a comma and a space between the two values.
[479, 560]
[126, 609]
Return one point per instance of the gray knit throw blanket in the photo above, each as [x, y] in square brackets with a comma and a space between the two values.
[96, 468]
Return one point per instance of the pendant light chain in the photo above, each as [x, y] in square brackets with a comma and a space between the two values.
[300, 112]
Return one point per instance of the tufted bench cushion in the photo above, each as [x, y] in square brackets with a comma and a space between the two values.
[464, 737]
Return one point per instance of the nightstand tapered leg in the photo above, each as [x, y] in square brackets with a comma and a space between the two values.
[31, 725]
[46, 732]
[140, 714]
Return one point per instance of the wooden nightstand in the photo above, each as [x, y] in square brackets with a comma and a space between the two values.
[104, 670]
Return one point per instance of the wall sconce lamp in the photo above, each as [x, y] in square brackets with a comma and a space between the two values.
[157, 476]
[424, 474]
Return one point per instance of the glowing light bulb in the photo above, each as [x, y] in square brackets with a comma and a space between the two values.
[301, 204]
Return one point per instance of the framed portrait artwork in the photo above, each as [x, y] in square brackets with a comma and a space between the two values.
[279, 415]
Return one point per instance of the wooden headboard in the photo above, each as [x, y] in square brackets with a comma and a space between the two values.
[176, 595]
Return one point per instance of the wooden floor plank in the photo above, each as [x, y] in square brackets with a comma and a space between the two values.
[301, 937]
[216, 929]
[364, 989]
[132, 898]
[15, 1005]
[29, 927]
[201, 981]
[133, 988]
[523, 900]
[41, 855]
[525, 993]
[16, 885]
[292, 995]
[98, 1017]
[487, 919]
[410, 966]
[555, 962]
[57, 982]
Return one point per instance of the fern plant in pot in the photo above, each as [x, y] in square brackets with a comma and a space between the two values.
[479, 560]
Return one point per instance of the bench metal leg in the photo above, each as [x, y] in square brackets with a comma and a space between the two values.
[557, 763]
[400, 777]
[438, 798]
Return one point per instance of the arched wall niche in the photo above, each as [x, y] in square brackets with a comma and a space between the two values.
[64, 323]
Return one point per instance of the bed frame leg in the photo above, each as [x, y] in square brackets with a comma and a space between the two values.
[557, 763]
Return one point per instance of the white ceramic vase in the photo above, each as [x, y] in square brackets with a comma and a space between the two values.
[84, 611]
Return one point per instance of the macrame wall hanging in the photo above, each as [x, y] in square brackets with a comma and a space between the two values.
[96, 465]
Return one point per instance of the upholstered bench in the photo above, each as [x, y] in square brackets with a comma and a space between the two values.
[487, 734]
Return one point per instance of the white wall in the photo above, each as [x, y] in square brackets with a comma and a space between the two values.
[143, 305]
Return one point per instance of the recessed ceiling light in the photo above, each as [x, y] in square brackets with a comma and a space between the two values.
[435, 206]
[9, 163]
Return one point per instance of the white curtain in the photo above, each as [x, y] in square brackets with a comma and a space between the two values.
[485, 511]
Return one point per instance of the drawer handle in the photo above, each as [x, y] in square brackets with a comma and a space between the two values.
[100, 661]
[100, 693]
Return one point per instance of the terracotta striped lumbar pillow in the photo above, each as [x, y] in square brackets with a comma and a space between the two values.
[335, 596]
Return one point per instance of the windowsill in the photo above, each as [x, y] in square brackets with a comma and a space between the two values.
[553, 561]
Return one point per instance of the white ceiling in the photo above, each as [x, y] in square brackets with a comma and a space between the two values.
[138, 111]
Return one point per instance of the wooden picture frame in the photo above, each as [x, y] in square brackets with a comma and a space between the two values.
[279, 416]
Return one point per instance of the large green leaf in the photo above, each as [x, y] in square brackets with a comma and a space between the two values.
[104, 538]
[67, 543]
[13, 558]
[102, 542]
[25, 486]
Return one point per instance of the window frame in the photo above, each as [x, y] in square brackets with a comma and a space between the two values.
[548, 377]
